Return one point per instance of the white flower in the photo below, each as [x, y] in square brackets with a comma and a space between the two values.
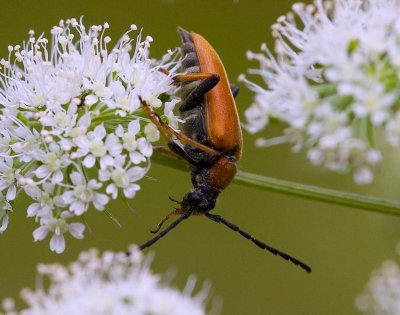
[111, 283]
[382, 292]
[58, 226]
[72, 130]
[334, 81]
[172, 120]
[27, 146]
[7, 178]
[121, 178]
[129, 141]
[83, 194]
[46, 200]
[53, 163]
[152, 133]
[4, 208]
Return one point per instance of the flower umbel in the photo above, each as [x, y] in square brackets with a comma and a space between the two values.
[111, 283]
[382, 293]
[72, 131]
[334, 81]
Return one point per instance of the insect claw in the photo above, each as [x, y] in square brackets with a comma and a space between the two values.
[156, 229]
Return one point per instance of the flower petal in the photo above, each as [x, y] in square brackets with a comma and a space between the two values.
[57, 243]
[40, 233]
[76, 230]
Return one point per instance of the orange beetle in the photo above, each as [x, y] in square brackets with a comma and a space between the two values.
[212, 139]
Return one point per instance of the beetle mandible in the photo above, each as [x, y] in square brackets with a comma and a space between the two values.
[212, 139]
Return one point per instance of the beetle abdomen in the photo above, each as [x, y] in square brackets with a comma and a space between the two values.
[193, 118]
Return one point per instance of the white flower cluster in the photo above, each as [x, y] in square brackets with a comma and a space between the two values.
[334, 81]
[381, 295]
[108, 284]
[73, 134]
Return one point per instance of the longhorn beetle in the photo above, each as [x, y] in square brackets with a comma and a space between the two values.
[212, 139]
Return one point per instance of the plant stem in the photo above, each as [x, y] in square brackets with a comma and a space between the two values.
[357, 201]
[375, 204]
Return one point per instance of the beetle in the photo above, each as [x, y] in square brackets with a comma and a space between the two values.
[211, 141]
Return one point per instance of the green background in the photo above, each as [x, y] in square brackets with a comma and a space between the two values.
[342, 244]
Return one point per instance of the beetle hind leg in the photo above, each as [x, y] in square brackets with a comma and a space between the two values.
[235, 90]
[193, 156]
[195, 97]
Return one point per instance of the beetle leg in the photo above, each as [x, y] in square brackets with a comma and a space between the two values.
[234, 90]
[166, 218]
[165, 151]
[163, 70]
[184, 216]
[177, 149]
[195, 97]
[198, 76]
[169, 133]
[188, 77]
[194, 157]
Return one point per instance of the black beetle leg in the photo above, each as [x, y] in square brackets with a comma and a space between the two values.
[195, 97]
[194, 157]
[234, 90]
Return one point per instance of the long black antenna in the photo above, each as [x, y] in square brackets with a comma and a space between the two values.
[150, 242]
[262, 245]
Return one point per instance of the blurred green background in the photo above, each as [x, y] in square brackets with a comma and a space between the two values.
[342, 244]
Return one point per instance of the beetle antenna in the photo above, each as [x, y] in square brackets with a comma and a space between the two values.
[174, 200]
[150, 242]
[262, 245]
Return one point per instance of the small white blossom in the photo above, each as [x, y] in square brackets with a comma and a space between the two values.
[46, 200]
[72, 133]
[152, 133]
[5, 207]
[333, 80]
[122, 178]
[110, 283]
[7, 178]
[83, 194]
[58, 226]
[382, 292]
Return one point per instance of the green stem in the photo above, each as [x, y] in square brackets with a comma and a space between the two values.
[374, 204]
[116, 119]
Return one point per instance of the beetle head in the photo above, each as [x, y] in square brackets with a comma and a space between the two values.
[201, 199]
